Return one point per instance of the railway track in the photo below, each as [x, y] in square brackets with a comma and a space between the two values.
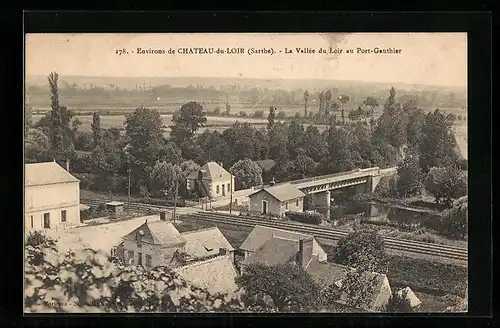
[444, 251]
[450, 252]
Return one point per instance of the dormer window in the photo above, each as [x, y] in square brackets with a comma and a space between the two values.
[138, 236]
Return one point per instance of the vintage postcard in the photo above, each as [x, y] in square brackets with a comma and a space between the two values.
[251, 172]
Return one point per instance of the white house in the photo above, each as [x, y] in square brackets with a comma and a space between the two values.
[212, 180]
[51, 197]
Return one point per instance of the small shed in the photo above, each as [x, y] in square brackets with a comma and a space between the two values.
[115, 208]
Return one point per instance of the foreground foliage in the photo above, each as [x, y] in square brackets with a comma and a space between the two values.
[88, 281]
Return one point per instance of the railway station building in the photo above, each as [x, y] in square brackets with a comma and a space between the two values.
[211, 180]
[51, 197]
[277, 200]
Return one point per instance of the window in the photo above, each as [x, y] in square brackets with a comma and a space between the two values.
[139, 258]
[63, 216]
[216, 189]
[297, 203]
[31, 219]
[148, 261]
[286, 205]
[130, 255]
[229, 187]
[46, 220]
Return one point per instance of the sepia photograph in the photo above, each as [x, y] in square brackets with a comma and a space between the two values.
[245, 173]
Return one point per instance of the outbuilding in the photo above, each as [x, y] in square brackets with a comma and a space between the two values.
[277, 200]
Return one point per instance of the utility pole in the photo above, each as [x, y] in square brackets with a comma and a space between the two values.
[176, 192]
[128, 207]
[231, 199]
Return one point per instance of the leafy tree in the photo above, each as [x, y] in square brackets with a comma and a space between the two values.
[358, 288]
[446, 184]
[321, 103]
[228, 109]
[187, 120]
[363, 249]
[316, 146]
[56, 128]
[261, 144]
[28, 119]
[281, 115]
[246, 173]
[343, 100]
[35, 142]
[410, 181]
[386, 188]
[271, 118]
[437, 147]
[296, 138]
[287, 285]
[416, 118]
[339, 157]
[213, 145]
[328, 98]
[96, 129]
[372, 103]
[163, 179]
[170, 153]
[240, 140]
[143, 129]
[306, 99]
[278, 139]
[455, 220]
[302, 167]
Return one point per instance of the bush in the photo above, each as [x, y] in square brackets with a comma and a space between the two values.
[419, 273]
[298, 115]
[217, 111]
[305, 217]
[258, 114]
[162, 202]
[281, 115]
[243, 113]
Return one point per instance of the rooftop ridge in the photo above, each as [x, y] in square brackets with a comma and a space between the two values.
[199, 262]
[198, 230]
[288, 231]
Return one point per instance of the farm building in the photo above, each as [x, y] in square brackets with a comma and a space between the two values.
[211, 180]
[159, 243]
[265, 240]
[277, 200]
[51, 197]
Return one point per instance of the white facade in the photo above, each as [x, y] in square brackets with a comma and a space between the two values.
[50, 205]
[159, 255]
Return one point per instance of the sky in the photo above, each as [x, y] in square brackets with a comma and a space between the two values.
[426, 58]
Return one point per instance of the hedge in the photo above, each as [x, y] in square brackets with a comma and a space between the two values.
[305, 217]
[162, 202]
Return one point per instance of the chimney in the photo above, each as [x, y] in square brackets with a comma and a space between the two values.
[67, 165]
[305, 252]
[221, 165]
[222, 251]
[272, 183]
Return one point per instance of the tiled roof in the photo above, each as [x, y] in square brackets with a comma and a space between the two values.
[217, 275]
[282, 192]
[158, 232]
[261, 235]
[327, 274]
[46, 173]
[211, 171]
[266, 164]
[205, 242]
[274, 251]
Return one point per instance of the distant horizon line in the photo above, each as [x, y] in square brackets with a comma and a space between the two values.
[253, 78]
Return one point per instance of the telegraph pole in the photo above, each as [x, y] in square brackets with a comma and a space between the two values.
[176, 192]
[128, 207]
[231, 198]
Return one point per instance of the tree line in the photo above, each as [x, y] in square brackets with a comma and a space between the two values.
[159, 163]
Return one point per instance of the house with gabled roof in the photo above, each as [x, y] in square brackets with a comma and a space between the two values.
[211, 180]
[158, 243]
[276, 200]
[51, 196]
[279, 241]
[216, 275]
